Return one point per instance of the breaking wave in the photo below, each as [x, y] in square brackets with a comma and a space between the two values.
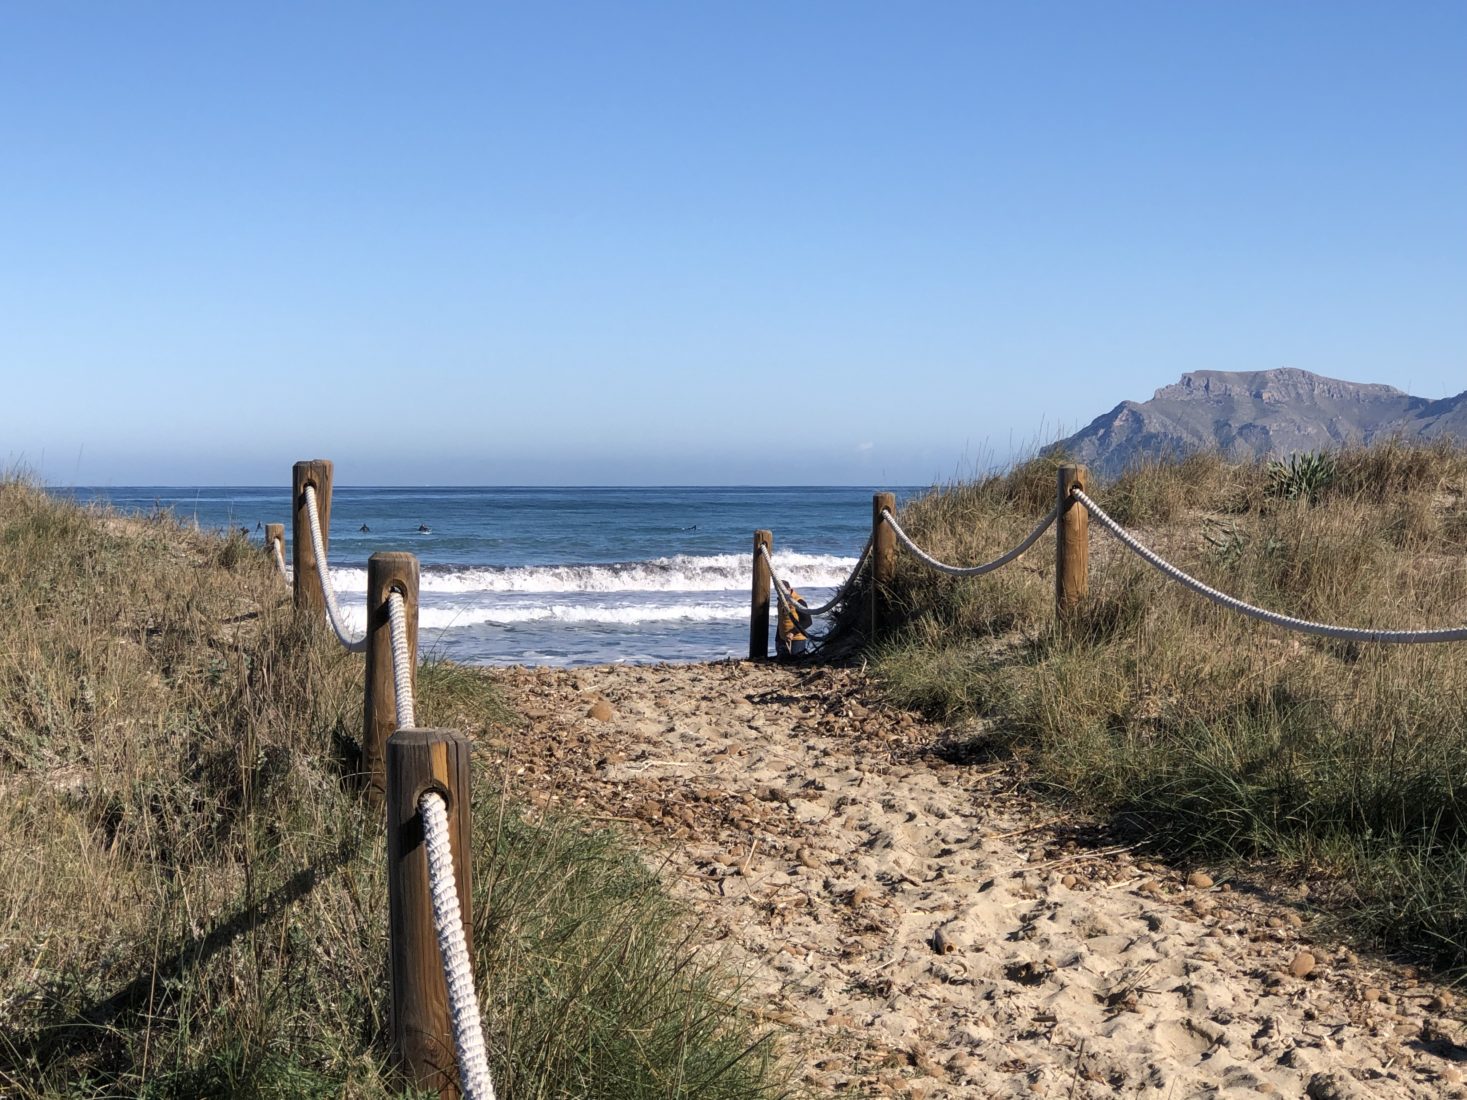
[445, 618]
[679, 573]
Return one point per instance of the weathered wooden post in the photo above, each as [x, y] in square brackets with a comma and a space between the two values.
[274, 532]
[420, 760]
[387, 572]
[317, 473]
[883, 562]
[1071, 543]
[759, 601]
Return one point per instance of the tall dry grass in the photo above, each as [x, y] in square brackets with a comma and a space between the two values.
[1214, 730]
[192, 901]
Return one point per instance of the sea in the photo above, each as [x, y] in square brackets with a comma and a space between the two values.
[559, 576]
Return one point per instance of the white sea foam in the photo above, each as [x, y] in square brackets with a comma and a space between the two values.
[680, 573]
[446, 618]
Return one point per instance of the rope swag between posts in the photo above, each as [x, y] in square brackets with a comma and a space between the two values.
[1072, 507]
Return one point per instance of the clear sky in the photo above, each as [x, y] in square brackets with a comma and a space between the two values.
[702, 243]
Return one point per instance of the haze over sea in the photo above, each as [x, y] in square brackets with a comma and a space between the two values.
[560, 576]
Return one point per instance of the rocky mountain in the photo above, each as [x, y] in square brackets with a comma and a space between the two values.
[1260, 413]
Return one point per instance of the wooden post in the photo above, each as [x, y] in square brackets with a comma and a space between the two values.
[759, 603]
[1071, 543]
[317, 472]
[883, 562]
[274, 531]
[420, 760]
[386, 572]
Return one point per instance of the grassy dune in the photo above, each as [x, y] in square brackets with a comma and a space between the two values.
[1217, 733]
[192, 901]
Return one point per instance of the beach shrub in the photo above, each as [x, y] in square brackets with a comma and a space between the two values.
[1302, 476]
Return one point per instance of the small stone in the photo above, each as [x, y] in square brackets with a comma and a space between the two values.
[961, 1064]
[1330, 1086]
[1199, 880]
[1303, 965]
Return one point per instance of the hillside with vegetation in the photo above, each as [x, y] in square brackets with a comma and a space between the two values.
[1205, 731]
[192, 894]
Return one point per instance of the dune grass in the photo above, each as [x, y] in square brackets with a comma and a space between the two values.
[1217, 733]
[193, 902]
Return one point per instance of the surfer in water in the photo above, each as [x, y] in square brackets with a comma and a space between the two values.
[424, 529]
[364, 529]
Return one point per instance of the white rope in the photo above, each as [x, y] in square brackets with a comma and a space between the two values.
[333, 613]
[839, 592]
[402, 669]
[278, 545]
[971, 570]
[458, 972]
[1456, 634]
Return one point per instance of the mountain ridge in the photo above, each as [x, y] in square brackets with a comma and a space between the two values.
[1257, 414]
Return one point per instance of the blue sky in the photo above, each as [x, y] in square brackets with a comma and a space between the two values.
[697, 243]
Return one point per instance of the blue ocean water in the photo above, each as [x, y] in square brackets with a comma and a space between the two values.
[561, 576]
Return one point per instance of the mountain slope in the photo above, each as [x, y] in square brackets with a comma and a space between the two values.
[1259, 413]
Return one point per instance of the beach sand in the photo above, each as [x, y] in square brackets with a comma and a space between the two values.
[924, 927]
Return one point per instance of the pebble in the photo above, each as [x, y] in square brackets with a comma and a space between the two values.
[1331, 1086]
[1303, 965]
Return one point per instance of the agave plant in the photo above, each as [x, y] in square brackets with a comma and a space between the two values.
[1302, 476]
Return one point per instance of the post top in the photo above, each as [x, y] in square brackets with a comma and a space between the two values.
[425, 735]
[394, 557]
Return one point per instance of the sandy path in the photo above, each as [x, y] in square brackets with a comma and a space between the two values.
[928, 930]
